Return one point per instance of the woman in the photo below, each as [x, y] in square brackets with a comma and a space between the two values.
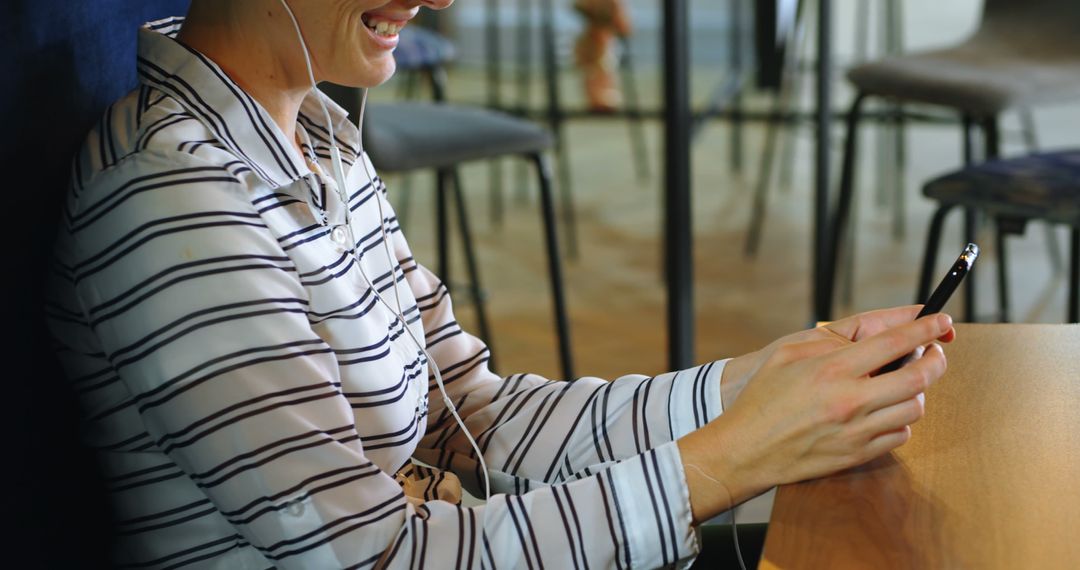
[255, 351]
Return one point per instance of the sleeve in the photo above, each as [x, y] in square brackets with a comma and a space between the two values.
[202, 315]
[538, 431]
[601, 447]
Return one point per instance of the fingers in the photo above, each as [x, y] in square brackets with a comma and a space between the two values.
[908, 381]
[887, 441]
[872, 353]
[893, 417]
[870, 323]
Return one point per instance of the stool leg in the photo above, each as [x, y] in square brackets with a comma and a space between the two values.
[493, 80]
[736, 103]
[1003, 276]
[993, 138]
[551, 239]
[843, 205]
[781, 105]
[473, 268]
[933, 242]
[524, 88]
[633, 111]
[1074, 276]
[970, 220]
[495, 191]
[761, 191]
[438, 80]
[555, 121]
[895, 9]
[442, 230]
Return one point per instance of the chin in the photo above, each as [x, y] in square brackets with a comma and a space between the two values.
[371, 74]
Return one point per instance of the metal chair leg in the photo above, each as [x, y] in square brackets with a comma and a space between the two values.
[781, 106]
[843, 206]
[736, 103]
[971, 219]
[493, 78]
[761, 192]
[555, 120]
[1003, 274]
[473, 268]
[551, 240]
[933, 243]
[1031, 144]
[1074, 276]
[442, 227]
[633, 112]
[521, 177]
[900, 185]
[495, 191]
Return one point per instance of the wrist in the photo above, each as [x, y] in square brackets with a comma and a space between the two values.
[736, 374]
[718, 473]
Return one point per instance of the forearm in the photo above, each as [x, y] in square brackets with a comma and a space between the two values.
[542, 431]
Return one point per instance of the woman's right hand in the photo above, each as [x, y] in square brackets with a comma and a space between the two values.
[813, 409]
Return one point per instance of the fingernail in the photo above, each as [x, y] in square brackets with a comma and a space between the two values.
[944, 321]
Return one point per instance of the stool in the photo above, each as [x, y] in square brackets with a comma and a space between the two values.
[1037, 187]
[403, 137]
[420, 49]
[1024, 52]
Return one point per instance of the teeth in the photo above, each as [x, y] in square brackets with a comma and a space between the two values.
[384, 28]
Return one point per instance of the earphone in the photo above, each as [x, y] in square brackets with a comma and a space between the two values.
[339, 179]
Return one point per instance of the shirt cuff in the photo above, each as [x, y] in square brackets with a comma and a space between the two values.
[695, 398]
[653, 502]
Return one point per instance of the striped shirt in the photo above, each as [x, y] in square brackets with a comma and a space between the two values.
[255, 406]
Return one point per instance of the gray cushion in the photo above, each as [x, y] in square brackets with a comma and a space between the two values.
[984, 76]
[409, 136]
[420, 48]
[1041, 186]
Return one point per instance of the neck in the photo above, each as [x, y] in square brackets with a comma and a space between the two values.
[267, 66]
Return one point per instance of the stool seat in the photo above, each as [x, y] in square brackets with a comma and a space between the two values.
[1042, 186]
[981, 77]
[420, 48]
[408, 136]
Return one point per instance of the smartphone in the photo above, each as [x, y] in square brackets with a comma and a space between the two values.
[941, 294]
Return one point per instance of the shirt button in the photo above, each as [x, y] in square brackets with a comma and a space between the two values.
[340, 235]
[296, 508]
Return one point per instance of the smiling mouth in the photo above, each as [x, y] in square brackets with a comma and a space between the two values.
[382, 26]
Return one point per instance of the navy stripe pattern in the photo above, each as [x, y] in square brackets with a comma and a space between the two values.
[255, 405]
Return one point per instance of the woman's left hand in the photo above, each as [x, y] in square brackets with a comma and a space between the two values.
[739, 370]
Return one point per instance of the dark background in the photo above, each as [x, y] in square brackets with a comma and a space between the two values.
[63, 63]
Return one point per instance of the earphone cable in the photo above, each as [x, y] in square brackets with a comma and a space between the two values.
[339, 179]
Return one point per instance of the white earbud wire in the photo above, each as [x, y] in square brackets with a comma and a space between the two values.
[339, 179]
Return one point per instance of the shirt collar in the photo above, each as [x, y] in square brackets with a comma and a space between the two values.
[235, 118]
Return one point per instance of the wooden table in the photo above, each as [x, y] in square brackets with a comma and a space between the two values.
[990, 478]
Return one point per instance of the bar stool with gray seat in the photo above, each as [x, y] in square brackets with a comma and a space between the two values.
[1025, 52]
[1037, 187]
[403, 137]
[397, 130]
